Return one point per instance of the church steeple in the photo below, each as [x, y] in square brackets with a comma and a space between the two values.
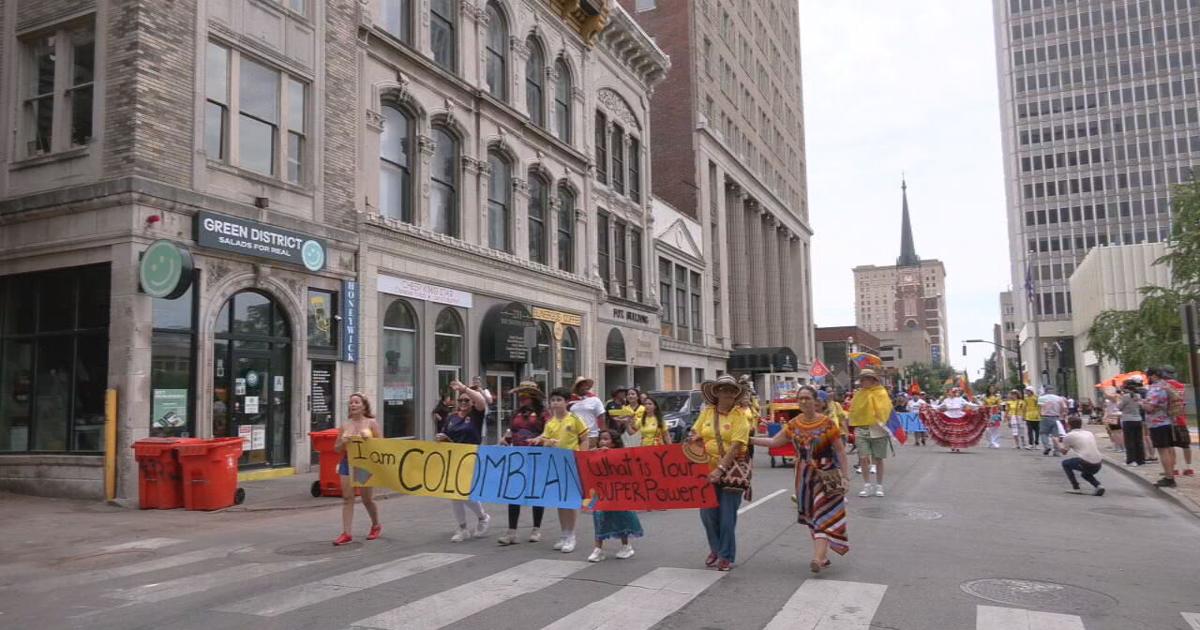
[908, 251]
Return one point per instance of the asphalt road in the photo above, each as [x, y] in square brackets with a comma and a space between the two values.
[999, 523]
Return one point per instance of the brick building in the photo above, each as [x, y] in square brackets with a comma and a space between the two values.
[236, 212]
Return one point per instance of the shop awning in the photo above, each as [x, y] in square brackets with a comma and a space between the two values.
[755, 360]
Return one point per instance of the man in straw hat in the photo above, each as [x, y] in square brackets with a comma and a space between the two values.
[869, 413]
[585, 404]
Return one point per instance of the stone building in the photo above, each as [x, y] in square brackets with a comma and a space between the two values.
[235, 212]
[729, 154]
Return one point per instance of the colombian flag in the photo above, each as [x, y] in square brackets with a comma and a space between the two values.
[896, 428]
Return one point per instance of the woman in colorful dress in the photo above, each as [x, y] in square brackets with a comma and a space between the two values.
[650, 425]
[362, 425]
[955, 423]
[621, 524]
[819, 448]
[723, 431]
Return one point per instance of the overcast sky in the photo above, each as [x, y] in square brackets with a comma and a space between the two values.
[894, 87]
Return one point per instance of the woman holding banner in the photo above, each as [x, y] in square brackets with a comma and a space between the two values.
[723, 429]
[822, 476]
[464, 425]
[527, 423]
[362, 425]
[564, 430]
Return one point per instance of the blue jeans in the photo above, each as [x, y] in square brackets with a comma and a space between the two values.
[720, 524]
[1086, 470]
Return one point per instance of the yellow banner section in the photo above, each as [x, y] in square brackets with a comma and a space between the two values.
[431, 469]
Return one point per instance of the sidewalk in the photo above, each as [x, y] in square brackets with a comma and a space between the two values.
[1187, 492]
[290, 493]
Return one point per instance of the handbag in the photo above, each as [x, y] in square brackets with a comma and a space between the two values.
[737, 477]
[831, 481]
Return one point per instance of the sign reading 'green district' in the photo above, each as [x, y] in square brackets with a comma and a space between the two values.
[165, 270]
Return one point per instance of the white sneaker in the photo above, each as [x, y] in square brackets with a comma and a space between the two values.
[873, 471]
[597, 555]
[482, 527]
[878, 489]
[562, 540]
[866, 491]
[509, 538]
[568, 545]
[460, 535]
[535, 535]
[626, 552]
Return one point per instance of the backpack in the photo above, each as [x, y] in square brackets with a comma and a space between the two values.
[1176, 406]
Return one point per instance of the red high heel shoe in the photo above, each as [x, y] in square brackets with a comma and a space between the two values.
[342, 540]
[376, 530]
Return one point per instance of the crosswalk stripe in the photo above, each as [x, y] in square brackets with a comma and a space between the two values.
[1193, 620]
[447, 607]
[829, 605]
[187, 585]
[145, 544]
[996, 618]
[287, 600]
[137, 568]
[643, 603]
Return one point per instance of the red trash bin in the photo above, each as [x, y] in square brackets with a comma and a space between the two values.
[210, 473]
[328, 483]
[160, 485]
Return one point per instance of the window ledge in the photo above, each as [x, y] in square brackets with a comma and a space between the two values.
[258, 177]
[50, 158]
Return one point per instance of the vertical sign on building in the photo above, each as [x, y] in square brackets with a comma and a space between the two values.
[349, 322]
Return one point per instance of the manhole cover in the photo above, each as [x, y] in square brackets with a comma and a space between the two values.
[322, 548]
[1129, 512]
[1049, 596]
[909, 513]
[100, 560]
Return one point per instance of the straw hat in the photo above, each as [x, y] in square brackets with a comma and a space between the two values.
[583, 381]
[529, 388]
[867, 373]
[708, 389]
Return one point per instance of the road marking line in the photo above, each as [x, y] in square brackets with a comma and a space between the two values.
[100, 575]
[187, 585]
[1193, 620]
[829, 605]
[761, 501]
[456, 604]
[996, 618]
[643, 603]
[147, 544]
[287, 600]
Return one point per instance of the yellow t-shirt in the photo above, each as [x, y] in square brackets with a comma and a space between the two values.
[870, 406]
[1032, 411]
[991, 401]
[1015, 407]
[568, 430]
[735, 428]
[648, 427]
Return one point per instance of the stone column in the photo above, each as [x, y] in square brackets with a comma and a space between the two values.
[468, 201]
[485, 181]
[552, 229]
[739, 284]
[758, 277]
[794, 282]
[421, 213]
[518, 231]
[771, 274]
[131, 322]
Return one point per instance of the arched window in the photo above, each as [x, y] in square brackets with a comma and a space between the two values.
[535, 78]
[443, 197]
[396, 14]
[562, 100]
[541, 356]
[566, 229]
[499, 202]
[395, 165]
[399, 370]
[569, 347]
[448, 348]
[539, 210]
[497, 53]
[441, 33]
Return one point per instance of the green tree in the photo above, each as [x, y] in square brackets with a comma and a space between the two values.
[1153, 334]
[932, 378]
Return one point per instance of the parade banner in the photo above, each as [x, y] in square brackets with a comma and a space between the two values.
[524, 475]
[646, 478]
[431, 469]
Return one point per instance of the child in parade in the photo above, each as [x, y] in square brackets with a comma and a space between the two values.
[619, 524]
[362, 425]
[566, 430]
[650, 426]
[1015, 408]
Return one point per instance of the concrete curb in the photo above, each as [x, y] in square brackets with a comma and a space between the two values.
[1171, 493]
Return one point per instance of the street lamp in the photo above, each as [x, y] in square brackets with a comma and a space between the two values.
[1017, 351]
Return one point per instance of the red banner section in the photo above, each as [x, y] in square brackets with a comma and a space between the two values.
[644, 478]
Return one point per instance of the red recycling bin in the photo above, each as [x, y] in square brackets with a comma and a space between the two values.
[328, 484]
[210, 473]
[160, 484]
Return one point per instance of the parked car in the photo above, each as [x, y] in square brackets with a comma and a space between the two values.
[680, 409]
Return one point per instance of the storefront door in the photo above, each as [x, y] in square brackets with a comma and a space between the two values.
[322, 405]
[252, 367]
[501, 385]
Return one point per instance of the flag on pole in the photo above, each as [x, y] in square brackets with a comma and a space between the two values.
[896, 428]
[818, 369]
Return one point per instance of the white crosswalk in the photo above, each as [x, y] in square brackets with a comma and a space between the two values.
[650, 598]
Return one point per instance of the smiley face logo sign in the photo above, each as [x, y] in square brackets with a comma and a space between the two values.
[313, 255]
[165, 270]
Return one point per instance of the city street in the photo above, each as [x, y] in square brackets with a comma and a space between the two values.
[989, 540]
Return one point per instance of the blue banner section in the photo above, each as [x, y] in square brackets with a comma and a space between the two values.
[910, 421]
[527, 475]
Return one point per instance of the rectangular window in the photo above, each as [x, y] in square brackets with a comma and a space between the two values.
[395, 14]
[296, 108]
[172, 366]
[216, 107]
[441, 33]
[620, 258]
[258, 116]
[602, 250]
[322, 317]
[664, 292]
[59, 89]
[635, 263]
[697, 327]
[617, 148]
[601, 147]
[683, 328]
[635, 169]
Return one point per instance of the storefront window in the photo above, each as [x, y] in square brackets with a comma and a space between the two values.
[570, 357]
[447, 348]
[321, 310]
[541, 356]
[54, 365]
[172, 357]
[399, 370]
